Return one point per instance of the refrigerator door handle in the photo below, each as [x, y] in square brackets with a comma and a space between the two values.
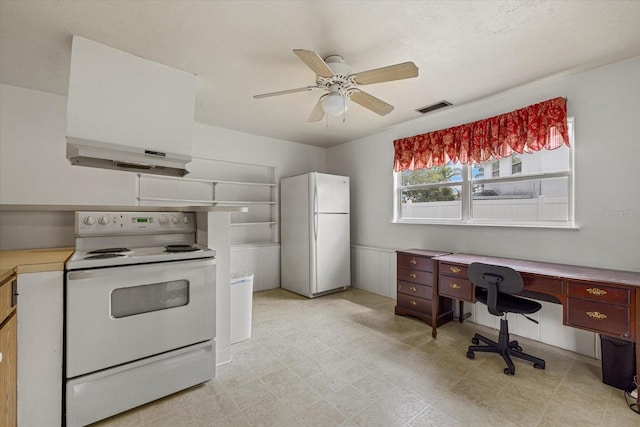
[315, 211]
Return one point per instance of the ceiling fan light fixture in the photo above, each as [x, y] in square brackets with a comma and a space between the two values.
[335, 104]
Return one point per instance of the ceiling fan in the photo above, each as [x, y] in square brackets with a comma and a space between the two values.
[334, 76]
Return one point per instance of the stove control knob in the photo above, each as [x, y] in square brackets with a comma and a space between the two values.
[163, 219]
[89, 220]
[104, 220]
[185, 220]
[175, 219]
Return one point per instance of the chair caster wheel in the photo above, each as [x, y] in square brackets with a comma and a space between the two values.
[508, 371]
[471, 355]
[538, 366]
[518, 348]
[475, 341]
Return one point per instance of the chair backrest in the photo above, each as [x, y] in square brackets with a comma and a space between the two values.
[495, 279]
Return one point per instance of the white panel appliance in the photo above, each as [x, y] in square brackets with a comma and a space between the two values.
[139, 312]
[315, 234]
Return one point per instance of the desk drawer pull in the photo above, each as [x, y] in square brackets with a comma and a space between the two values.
[412, 302]
[454, 286]
[413, 261]
[596, 315]
[597, 292]
[455, 269]
[413, 288]
[413, 275]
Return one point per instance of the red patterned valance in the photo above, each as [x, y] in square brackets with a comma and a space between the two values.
[528, 129]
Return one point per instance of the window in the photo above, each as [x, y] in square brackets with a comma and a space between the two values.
[495, 169]
[537, 191]
[516, 164]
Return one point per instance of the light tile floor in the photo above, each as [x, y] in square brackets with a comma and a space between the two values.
[345, 359]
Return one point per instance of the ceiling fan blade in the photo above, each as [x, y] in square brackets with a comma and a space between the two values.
[405, 70]
[314, 61]
[284, 92]
[374, 104]
[318, 112]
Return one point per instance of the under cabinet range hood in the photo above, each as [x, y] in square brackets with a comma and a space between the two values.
[127, 113]
[82, 152]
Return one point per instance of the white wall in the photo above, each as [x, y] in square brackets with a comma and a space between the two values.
[606, 105]
[33, 164]
[289, 158]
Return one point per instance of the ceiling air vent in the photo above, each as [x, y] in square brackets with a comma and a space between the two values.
[428, 108]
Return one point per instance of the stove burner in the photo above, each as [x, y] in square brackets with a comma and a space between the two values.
[181, 248]
[109, 251]
[104, 255]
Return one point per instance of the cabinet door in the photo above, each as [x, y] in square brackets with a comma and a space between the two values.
[8, 371]
[40, 319]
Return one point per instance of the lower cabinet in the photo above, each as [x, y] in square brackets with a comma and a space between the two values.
[40, 326]
[8, 354]
[417, 293]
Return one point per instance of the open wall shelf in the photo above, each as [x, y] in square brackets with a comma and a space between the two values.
[220, 183]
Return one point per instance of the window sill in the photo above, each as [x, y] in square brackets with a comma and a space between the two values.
[548, 225]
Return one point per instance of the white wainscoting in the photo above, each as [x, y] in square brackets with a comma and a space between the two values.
[263, 261]
[374, 270]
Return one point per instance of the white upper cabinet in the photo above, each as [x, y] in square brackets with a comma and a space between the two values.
[119, 98]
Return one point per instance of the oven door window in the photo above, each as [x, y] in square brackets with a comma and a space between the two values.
[147, 298]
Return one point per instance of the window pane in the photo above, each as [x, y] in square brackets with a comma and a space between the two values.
[526, 200]
[528, 163]
[451, 172]
[434, 203]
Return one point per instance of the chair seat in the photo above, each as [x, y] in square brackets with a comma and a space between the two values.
[510, 303]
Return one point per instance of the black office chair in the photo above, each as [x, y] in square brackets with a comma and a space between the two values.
[495, 285]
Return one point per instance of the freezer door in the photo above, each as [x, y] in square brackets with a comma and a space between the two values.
[332, 253]
[330, 193]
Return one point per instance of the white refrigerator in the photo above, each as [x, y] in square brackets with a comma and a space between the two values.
[315, 239]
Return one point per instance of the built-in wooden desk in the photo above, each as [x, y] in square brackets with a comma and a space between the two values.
[594, 299]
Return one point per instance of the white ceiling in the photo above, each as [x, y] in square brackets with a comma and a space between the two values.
[465, 50]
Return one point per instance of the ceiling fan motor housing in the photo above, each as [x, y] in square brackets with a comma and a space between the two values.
[342, 80]
[337, 65]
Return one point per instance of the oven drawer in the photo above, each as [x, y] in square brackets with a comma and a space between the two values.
[415, 276]
[455, 287]
[599, 317]
[120, 314]
[94, 397]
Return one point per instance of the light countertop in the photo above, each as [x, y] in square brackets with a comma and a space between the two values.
[33, 260]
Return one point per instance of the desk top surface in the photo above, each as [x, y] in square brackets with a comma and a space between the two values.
[576, 272]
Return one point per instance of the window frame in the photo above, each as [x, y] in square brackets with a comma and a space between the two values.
[467, 183]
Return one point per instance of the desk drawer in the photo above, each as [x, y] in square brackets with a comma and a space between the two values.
[453, 269]
[547, 285]
[415, 262]
[416, 304]
[598, 292]
[595, 316]
[455, 287]
[414, 289]
[415, 276]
